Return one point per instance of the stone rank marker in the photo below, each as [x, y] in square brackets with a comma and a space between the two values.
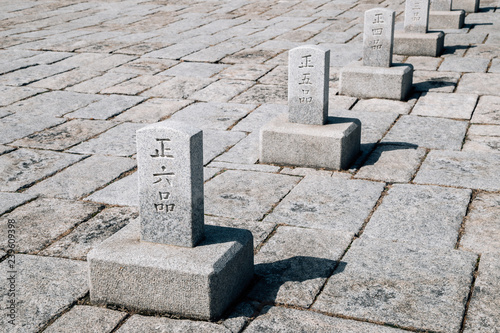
[415, 40]
[171, 262]
[376, 76]
[377, 37]
[308, 76]
[170, 184]
[307, 136]
[442, 17]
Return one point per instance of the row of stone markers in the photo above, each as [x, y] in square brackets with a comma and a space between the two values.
[171, 262]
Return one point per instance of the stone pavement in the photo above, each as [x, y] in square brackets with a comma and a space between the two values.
[407, 240]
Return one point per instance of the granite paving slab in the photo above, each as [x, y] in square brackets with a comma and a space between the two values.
[216, 142]
[495, 66]
[152, 110]
[259, 117]
[245, 194]
[482, 226]
[292, 271]
[145, 66]
[195, 69]
[248, 167]
[456, 106]
[474, 170]
[244, 152]
[109, 106]
[135, 85]
[117, 141]
[5, 149]
[83, 178]
[49, 286]
[436, 81]
[123, 192]
[63, 136]
[244, 72]
[479, 83]
[91, 233]
[179, 87]
[477, 143]
[66, 79]
[392, 163]
[31, 74]
[9, 201]
[328, 203]
[464, 65]
[263, 93]
[18, 125]
[87, 319]
[36, 164]
[424, 63]
[484, 308]
[428, 132]
[429, 216]
[400, 284]
[278, 319]
[487, 110]
[138, 323]
[221, 91]
[384, 105]
[40, 222]
[9, 95]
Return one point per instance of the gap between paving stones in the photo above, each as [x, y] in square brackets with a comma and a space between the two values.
[466, 218]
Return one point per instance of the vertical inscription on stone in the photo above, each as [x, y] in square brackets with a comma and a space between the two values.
[441, 5]
[378, 37]
[170, 167]
[416, 16]
[308, 74]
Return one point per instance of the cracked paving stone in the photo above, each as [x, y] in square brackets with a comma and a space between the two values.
[429, 216]
[400, 284]
[65, 135]
[462, 169]
[278, 319]
[328, 203]
[9, 201]
[91, 233]
[48, 285]
[23, 167]
[293, 272]
[138, 323]
[482, 226]
[84, 177]
[428, 132]
[42, 221]
[458, 106]
[84, 318]
[245, 194]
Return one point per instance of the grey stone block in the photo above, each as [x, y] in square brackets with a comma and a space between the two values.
[308, 84]
[416, 16]
[367, 82]
[440, 5]
[333, 145]
[87, 319]
[378, 36]
[439, 20]
[198, 282]
[469, 6]
[170, 168]
[429, 44]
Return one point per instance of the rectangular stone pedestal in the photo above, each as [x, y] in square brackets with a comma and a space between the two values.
[469, 6]
[376, 82]
[414, 44]
[198, 282]
[333, 145]
[439, 20]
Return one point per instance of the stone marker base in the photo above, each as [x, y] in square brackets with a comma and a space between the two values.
[333, 145]
[376, 82]
[198, 282]
[414, 44]
[469, 6]
[439, 20]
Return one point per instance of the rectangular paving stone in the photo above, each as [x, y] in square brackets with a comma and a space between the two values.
[244, 152]
[428, 132]
[122, 192]
[245, 194]
[152, 110]
[421, 63]
[9, 95]
[456, 106]
[392, 163]
[84, 177]
[436, 81]
[85, 317]
[118, 141]
[31, 74]
[42, 221]
[462, 169]
[221, 91]
[216, 116]
[179, 87]
[429, 216]
[484, 309]
[65, 79]
[244, 71]
[477, 143]
[162, 324]
[217, 142]
[482, 226]
[135, 85]
[464, 65]
[263, 94]
[328, 203]
[384, 105]
[45, 286]
[89, 234]
[260, 116]
[145, 66]
[280, 319]
[18, 125]
[400, 284]
[487, 110]
[9, 201]
[195, 69]
[479, 83]
[292, 271]
[109, 106]
[23, 167]
[176, 51]
[65, 135]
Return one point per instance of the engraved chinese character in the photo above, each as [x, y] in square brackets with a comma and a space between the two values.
[164, 207]
[415, 17]
[164, 195]
[306, 78]
[163, 176]
[306, 62]
[161, 152]
[377, 32]
[305, 99]
[378, 19]
[306, 92]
